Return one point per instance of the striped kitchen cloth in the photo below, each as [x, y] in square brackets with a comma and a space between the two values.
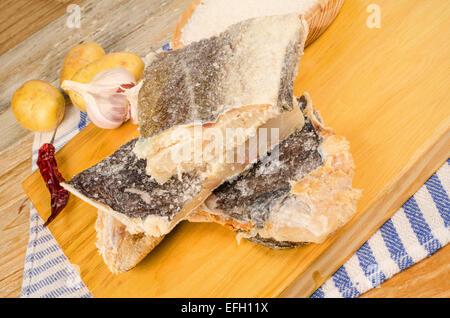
[47, 271]
[416, 231]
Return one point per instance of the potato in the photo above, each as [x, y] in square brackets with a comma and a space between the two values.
[81, 55]
[129, 61]
[38, 106]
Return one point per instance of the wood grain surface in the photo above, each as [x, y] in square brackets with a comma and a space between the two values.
[426, 279]
[120, 25]
[399, 135]
[15, 163]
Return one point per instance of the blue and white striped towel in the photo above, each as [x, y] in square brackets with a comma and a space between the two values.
[416, 231]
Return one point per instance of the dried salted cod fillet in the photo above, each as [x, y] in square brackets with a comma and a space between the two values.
[135, 209]
[309, 196]
[121, 250]
[119, 185]
[241, 78]
[311, 186]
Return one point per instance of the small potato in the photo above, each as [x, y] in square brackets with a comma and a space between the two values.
[129, 61]
[81, 55]
[38, 106]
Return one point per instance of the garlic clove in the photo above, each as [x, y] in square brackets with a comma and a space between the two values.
[114, 78]
[107, 111]
[111, 97]
[132, 95]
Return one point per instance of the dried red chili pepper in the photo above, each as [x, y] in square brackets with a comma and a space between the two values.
[52, 177]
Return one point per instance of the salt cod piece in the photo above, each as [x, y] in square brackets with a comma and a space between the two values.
[301, 197]
[309, 196]
[241, 78]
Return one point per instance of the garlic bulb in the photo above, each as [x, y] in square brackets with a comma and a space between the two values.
[111, 97]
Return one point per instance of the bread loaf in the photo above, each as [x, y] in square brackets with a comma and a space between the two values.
[299, 193]
[206, 18]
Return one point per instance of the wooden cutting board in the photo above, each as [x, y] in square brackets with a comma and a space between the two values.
[386, 90]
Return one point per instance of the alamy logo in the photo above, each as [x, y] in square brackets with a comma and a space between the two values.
[374, 19]
[230, 146]
[374, 275]
[74, 19]
[73, 279]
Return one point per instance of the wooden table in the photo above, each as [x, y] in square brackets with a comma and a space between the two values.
[20, 19]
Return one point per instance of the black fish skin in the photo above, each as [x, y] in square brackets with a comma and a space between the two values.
[272, 243]
[109, 182]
